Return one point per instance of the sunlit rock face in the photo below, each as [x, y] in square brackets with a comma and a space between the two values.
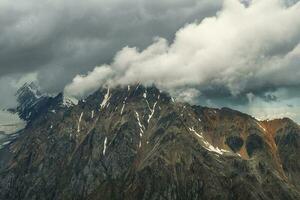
[136, 142]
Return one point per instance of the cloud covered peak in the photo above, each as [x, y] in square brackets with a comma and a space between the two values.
[242, 49]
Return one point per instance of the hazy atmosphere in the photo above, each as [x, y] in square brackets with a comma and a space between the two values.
[240, 54]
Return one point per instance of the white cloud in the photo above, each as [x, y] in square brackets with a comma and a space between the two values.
[250, 96]
[186, 95]
[82, 85]
[241, 48]
[58, 39]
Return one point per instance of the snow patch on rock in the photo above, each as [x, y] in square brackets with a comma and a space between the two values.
[69, 101]
[79, 120]
[106, 99]
[104, 146]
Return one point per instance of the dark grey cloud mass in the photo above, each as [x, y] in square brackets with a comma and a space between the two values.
[239, 56]
[59, 39]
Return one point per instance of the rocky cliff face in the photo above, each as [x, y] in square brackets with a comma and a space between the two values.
[138, 143]
[287, 138]
[32, 103]
[30, 100]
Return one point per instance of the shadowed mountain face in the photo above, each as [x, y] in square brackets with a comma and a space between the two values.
[138, 143]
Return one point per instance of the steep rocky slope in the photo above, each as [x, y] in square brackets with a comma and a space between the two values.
[138, 143]
[287, 138]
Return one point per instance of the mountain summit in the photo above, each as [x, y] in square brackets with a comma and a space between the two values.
[136, 142]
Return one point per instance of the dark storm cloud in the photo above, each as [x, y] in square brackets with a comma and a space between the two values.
[236, 56]
[60, 39]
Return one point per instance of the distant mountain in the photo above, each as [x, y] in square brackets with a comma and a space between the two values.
[32, 102]
[136, 142]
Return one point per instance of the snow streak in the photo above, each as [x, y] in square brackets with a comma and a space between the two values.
[79, 120]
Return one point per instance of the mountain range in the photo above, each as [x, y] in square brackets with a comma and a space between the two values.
[136, 142]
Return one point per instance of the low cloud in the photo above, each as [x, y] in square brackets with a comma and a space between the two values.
[239, 54]
[243, 49]
[61, 38]
[82, 85]
[58, 39]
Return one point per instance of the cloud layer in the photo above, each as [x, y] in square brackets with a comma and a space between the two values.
[58, 39]
[215, 53]
[242, 49]
[244, 57]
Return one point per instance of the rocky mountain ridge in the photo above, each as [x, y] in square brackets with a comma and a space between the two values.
[136, 142]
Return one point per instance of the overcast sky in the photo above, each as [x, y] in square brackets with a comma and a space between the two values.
[209, 52]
